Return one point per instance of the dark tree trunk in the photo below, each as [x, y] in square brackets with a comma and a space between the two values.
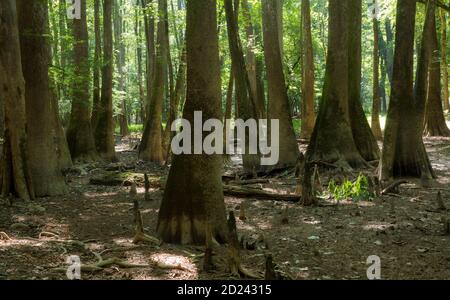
[15, 175]
[79, 134]
[444, 60]
[97, 64]
[308, 77]
[376, 128]
[42, 130]
[435, 124]
[149, 22]
[278, 107]
[193, 199]
[404, 152]
[104, 131]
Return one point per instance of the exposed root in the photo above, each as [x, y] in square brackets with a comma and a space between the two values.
[103, 264]
[140, 236]
[393, 187]
[48, 234]
[4, 236]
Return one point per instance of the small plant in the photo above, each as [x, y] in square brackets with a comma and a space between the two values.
[356, 191]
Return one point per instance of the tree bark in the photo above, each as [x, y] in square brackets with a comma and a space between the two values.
[151, 145]
[376, 127]
[97, 64]
[79, 134]
[193, 199]
[42, 129]
[403, 151]
[278, 105]
[308, 77]
[444, 60]
[15, 175]
[104, 131]
[435, 124]
[149, 22]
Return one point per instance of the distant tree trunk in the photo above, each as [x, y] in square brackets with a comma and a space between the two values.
[308, 77]
[376, 127]
[403, 151]
[97, 64]
[63, 48]
[435, 124]
[41, 124]
[149, 22]
[244, 96]
[15, 175]
[137, 32]
[104, 131]
[120, 63]
[79, 134]
[253, 63]
[278, 107]
[193, 197]
[151, 144]
[362, 134]
[444, 60]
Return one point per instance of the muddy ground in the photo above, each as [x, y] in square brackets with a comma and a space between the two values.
[330, 241]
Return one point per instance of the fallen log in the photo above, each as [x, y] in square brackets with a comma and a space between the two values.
[246, 192]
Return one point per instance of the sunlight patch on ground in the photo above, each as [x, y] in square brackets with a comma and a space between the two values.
[175, 262]
[98, 194]
[382, 226]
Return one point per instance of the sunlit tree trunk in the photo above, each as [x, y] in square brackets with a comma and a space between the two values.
[444, 60]
[376, 128]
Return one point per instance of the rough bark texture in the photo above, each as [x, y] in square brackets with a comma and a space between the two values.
[193, 198]
[149, 22]
[244, 95]
[308, 77]
[362, 134]
[104, 130]
[435, 124]
[376, 128]
[97, 64]
[333, 119]
[79, 134]
[41, 125]
[15, 176]
[444, 60]
[151, 145]
[403, 151]
[278, 105]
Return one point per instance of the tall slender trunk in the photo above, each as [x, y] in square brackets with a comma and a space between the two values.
[79, 134]
[308, 77]
[444, 64]
[149, 22]
[15, 174]
[376, 128]
[193, 198]
[97, 64]
[278, 107]
[104, 131]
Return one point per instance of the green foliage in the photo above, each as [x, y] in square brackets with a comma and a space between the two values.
[355, 191]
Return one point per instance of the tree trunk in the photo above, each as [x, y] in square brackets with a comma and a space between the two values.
[137, 32]
[362, 134]
[376, 127]
[193, 199]
[104, 131]
[278, 107]
[151, 144]
[79, 134]
[444, 61]
[15, 175]
[41, 124]
[149, 22]
[404, 152]
[333, 118]
[244, 95]
[308, 77]
[97, 64]
[435, 124]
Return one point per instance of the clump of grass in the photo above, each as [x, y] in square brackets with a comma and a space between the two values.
[351, 190]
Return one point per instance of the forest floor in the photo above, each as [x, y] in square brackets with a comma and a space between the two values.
[329, 241]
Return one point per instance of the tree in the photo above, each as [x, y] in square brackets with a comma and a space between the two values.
[334, 111]
[97, 63]
[193, 198]
[104, 129]
[435, 124]
[151, 145]
[404, 152]
[376, 128]
[244, 96]
[308, 113]
[41, 124]
[444, 60]
[15, 175]
[278, 104]
[79, 134]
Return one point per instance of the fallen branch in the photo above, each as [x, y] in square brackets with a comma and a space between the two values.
[245, 192]
[392, 188]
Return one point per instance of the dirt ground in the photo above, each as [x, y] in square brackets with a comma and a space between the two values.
[330, 241]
